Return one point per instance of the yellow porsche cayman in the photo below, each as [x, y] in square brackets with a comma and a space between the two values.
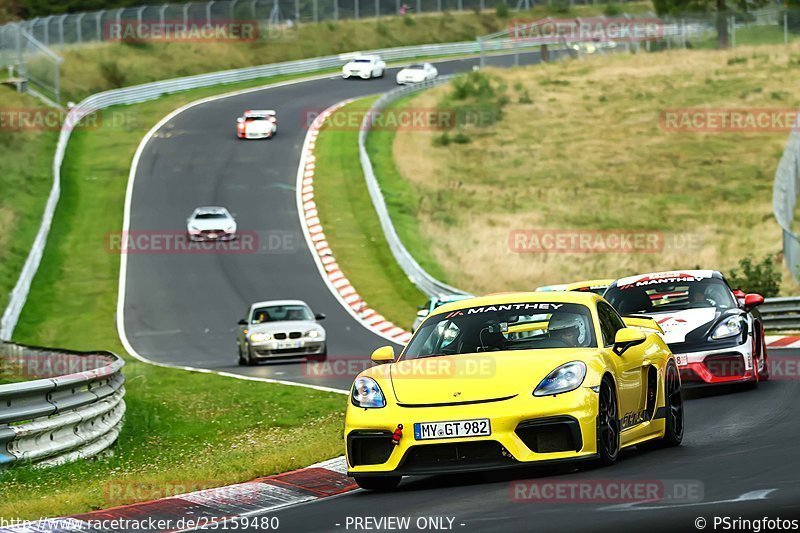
[508, 380]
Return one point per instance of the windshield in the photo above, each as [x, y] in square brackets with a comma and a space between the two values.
[210, 216]
[671, 295]
[519, 326]
[362, 61]
[258, 117]
[279, 313]
[417, 67]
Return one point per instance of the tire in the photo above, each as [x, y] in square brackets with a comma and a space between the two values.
[242, 360]
[380, 484]
[608, 427]
[673, 402]
[319, 358]
[248, 358]
[383, 71]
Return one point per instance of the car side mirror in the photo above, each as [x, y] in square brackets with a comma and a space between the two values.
[243, 322]
[382, 355]
[319, 316]
[626, 338]
[753, 300]
[422, 313]
[240, 120]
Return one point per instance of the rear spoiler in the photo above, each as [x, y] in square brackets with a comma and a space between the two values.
[643, 323]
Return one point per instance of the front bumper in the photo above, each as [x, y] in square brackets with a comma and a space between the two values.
[212, 236]
[717, 366]
[408, 81]
[524, 430]
[273, 349]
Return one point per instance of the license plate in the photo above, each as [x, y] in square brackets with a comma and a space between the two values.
[212, 235]
[288, 345]
[479, 427]
[682, 360]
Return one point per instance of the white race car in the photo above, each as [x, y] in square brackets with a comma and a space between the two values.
[364, 67]
[280, 328]
[257, 124]
[211, 224]
[417, 73]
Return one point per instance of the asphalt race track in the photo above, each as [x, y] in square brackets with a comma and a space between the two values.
[740, 447]
[182, 309]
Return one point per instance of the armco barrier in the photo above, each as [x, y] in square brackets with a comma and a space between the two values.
[74, 411]
[781, 314]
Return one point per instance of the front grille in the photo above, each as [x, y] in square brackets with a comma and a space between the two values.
[725, 365]
[442, 457]
[550, 435]
[295, 335]
[369, 447]
[280, 336]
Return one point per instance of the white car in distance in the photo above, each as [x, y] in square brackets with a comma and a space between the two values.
[257, 124]
[416, 73]
[211, 224]
[364, 67]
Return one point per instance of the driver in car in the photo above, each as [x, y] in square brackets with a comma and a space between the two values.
[569, 328]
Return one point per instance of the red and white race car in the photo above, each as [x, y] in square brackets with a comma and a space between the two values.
[257, 124]
[716, 334]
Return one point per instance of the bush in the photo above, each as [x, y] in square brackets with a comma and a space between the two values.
[408, 20]
[442, 140]
[525, 98]
[114, 76]
[501, 10]
[476, 99]
[612, 10]
[751, 276]
[461, 138]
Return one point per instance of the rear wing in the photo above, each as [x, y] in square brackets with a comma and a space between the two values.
[643, 323]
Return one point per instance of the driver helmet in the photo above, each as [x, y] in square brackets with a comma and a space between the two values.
[568, 324]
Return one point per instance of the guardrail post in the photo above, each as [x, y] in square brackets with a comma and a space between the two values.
[377, 9]
[297, 11]
[316, 10]
[785, 27]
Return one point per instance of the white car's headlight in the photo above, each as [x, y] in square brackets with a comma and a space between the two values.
[565, 378]
[367, 394]
[730, 327]
[313, 334]
[260, 337]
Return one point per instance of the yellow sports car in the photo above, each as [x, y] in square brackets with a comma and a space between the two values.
[508, 380]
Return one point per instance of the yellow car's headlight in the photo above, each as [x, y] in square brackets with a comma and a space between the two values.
[565, 378]
[367, 394]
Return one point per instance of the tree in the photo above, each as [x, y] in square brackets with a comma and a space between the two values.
[722, 8]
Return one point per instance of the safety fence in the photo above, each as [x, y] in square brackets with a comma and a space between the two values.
[781, 314]
[60, 406]
[784, 199]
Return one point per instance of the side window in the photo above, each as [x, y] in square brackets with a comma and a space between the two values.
[610, 322]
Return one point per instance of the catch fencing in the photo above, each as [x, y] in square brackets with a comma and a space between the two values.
[73, 410]
[784, 199]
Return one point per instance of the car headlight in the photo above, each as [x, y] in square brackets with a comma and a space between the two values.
[367, 394]
[565, 378]
[260, 337]
[730, 327]
[313, 334]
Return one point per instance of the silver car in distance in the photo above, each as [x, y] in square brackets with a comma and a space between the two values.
[211, 224]
[280, 328]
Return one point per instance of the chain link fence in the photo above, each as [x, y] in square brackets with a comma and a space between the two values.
[26, 60]
[784, 200]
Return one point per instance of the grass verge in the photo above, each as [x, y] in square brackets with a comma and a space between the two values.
[351, 224]
[183, 431]
[580, 147]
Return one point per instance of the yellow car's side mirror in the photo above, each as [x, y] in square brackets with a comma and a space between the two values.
[627, 337]
[384, 354]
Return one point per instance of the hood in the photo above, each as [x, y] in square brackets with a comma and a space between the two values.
[477, 377]
[212, 224]
[259, 126]
[678, 324]
[284, 325]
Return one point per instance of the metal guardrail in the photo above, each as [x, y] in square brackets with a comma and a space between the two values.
[781, 314]
[784, 200]
[74, 411]
[149, 91]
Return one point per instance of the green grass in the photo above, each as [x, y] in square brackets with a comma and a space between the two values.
[182, 429]
[25, 178]
[402, 200]
[352, 226]
[92, 68]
